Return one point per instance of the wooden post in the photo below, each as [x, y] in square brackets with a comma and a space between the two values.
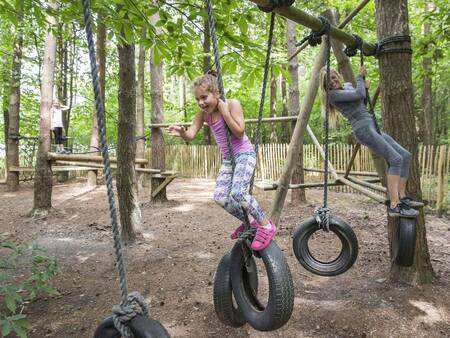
[297, 137]
[440, 181]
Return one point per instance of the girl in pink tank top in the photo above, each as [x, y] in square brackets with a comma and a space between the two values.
[232, 187]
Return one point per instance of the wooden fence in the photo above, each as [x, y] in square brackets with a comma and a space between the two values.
[203, 161]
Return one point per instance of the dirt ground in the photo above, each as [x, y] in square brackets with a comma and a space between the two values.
[173, 266]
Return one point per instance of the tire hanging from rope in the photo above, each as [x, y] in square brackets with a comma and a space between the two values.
[130, 318]
[322, 220]
[237, 272]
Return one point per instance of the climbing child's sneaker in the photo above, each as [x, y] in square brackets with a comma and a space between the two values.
[241, 228]
[263, 237]
[402, 210]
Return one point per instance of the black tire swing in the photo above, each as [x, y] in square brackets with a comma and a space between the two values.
[322, 220]
[130, 319]
[236, 276]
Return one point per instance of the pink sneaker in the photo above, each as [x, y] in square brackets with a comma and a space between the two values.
[240, 229]
[263, 237]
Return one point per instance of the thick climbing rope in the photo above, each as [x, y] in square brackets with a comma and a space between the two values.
[131, 304]
[380, 46]
[314, 38]
[257, 139]
[322, 214]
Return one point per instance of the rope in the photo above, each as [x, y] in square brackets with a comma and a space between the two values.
[380, 50]
[127, 300]
[123, 314]
[324, 212]
[257, 139]
[275, 4]
[315, 37]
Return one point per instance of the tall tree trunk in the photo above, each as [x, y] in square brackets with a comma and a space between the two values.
[206, 66]
[427, 98]
[286, 130]
[140, 107]
[101, 64]
[6, 76]
[273, 105]
[182, 82]
[43, 173]
[12, 179]
[157, 116]
[130, 213]
[61, 89]
[298, 176]
[398, 120]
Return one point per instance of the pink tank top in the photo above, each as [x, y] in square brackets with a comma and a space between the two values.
[239, 145]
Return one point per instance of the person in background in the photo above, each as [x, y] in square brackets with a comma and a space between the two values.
[57, 126]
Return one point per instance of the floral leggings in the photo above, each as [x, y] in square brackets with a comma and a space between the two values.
[231, 191]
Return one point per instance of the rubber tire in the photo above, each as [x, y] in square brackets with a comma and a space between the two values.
[340, 264]
[404, 243]
[141, 326]
[281, 289]
[227, 313]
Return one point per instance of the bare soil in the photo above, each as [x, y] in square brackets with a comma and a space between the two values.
[173, 266]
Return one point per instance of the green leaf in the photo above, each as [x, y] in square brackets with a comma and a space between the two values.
[6, 328]
[10, 301]
[243, 26]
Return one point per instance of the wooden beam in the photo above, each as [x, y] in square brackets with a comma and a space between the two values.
[100, 166]
[344, 22]
[363, 191]
[273, 185]
[86, 158]
[165, 183]
[355, 173]
[310, 21]
[368, 184]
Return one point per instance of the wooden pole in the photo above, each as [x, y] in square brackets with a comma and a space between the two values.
[273, 186]
[367, 184]
[355, 173]
[310, 21]
[349, 17]
[100, 166]
[86, 158]
[297, 137]
[440, 181]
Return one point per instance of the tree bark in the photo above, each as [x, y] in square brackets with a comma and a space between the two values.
[101, 64]
[61, 89]
[427, 131]
[398, 121]
[273, 104]
[130, 212]
[43, 172]
[12, 179]
[298, 176]
[157, 116]
[140, 131]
